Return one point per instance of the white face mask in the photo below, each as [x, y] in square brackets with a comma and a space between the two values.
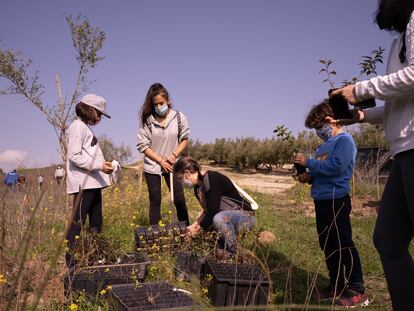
[187, 183]
[161, 110]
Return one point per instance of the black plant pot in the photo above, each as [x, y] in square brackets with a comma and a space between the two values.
[341, 109]
[189, 264]
[92, 280]
[233, 284]
[339, 106]
[148, 296]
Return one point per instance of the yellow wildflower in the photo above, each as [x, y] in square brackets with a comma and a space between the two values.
[2, 279]
[73, 307]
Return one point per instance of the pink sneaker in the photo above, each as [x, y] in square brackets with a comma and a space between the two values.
[352, 299]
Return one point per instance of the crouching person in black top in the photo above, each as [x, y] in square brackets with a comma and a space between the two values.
[224, 209]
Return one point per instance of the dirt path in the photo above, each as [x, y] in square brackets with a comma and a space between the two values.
[273, 183]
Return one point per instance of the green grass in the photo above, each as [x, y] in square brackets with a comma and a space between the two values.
[294, 258]
[297, 257]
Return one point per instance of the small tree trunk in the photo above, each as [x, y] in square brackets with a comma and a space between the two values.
[62, 122]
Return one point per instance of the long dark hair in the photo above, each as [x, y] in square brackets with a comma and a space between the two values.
[394, 15]
[147, 108]
[184, 164]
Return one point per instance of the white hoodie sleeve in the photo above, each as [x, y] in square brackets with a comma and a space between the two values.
[396, 84]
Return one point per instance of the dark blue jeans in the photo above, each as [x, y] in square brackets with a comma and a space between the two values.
[394, 231]
[229, 223]
[335, 239]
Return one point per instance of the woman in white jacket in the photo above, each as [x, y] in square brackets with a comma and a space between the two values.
[394, 228]
[87, 170]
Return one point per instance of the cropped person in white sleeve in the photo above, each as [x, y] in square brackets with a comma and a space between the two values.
[394, 229]
[87, 170]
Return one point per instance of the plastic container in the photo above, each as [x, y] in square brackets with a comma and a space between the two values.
[233, 284]
[93, 279]
[189, 265]
[148, 296]
[157, 238]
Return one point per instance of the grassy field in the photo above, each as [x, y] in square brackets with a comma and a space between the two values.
[32, 247]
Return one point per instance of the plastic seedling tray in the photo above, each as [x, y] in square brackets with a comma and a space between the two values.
[189, 264]
[236, 284]
[148, 296]
[156, 238]
[94, 278]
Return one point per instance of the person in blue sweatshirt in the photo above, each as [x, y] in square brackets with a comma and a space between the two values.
[329, 172]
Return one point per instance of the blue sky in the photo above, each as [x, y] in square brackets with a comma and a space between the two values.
[233, 67]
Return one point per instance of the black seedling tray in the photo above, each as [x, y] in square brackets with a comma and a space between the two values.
[189, 264]
[239, 284]
[148, 296]
[93, 279]
[164, 238]
[339, 106]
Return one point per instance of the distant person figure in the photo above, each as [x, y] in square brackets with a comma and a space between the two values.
[11, 178]
[330, 172]
[21, 183]
[224, 209]
[87, 170]
[163, 135]
[59, 174]
[394, 228]
[40, 181]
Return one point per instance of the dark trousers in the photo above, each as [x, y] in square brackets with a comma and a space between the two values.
[154, 189]
[394, 231]
[86, 203]
[335, 239]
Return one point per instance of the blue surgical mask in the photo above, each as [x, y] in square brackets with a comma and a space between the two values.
[161, 110]
[325, 132]
[187, 183]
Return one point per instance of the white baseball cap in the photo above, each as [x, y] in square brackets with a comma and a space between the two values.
[97, 102]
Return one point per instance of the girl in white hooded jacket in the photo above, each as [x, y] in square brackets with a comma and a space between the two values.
[87, 170]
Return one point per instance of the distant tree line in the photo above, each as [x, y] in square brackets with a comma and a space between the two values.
[255, 153]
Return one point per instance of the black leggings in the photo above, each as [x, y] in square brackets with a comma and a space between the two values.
[335, 239]
[89, 203]
[394, 231]
[154, 189]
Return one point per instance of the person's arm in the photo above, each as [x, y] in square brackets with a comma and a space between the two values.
[144, 146]
[390, 86]
[373, 115]
[338, 162]
[155, 157]
[184, 132]
[185, 129]
[195, 228]
[176, 153]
